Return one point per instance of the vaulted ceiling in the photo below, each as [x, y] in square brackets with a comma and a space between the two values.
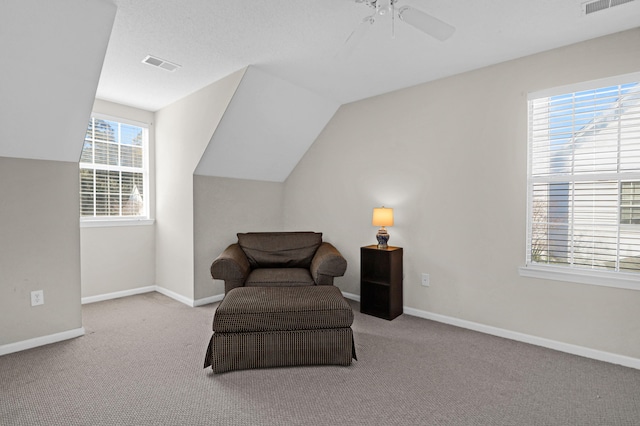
[302, 42]
[294, 52]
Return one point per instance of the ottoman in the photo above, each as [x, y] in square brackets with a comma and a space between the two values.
[259, 327]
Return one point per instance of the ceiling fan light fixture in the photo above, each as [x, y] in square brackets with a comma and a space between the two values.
[382, 6]
[426, 23]
[420, 20]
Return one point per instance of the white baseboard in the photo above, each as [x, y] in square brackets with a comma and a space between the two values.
[40, 341]
[494, 331]
[117, 294]
[207, 300]
[612, 358]
[140, 290]
[526, 338]
[351, 296]
[70, 334]
[186, 300]
[175, 296]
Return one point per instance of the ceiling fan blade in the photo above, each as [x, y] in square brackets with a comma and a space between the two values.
[426, 23]
[357, 35]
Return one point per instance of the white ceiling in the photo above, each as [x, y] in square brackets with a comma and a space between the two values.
[301, 42]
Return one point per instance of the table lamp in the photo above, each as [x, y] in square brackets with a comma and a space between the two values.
[382, 217]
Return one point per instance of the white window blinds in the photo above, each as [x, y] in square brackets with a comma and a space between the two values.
[113, 170]
[584, 177]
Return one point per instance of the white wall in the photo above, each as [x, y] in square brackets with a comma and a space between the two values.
[183, 130]
[450, 158]
[222, 208]
[267, 127]
[120, 258]
[39, 248]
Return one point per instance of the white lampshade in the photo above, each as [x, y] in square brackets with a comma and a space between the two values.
[382, 216]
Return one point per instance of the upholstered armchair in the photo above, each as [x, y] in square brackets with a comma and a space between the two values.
[284, 259]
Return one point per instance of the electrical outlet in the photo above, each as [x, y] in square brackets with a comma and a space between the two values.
[37, 297]
[425, 280]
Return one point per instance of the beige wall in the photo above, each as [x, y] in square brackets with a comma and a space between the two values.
[39, 248]
[450, 158]
[183, 130]
[39, 207]
[120, 258]
[117, 259]
[222, 208]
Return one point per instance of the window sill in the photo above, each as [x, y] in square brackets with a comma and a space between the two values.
[99, 223]
[602, 278]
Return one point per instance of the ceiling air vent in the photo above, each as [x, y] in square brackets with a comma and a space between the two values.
[160, 63]
[598, 5]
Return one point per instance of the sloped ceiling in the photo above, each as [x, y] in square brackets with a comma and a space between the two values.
[51, 54]
[297, 48]
[267, 127]
[303, 42]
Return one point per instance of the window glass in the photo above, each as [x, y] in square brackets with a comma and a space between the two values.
[584, 179]
[113, 173]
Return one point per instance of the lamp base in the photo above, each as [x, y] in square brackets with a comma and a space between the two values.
[383, 237]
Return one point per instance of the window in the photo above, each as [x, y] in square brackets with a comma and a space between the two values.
[113, 170]
[630, 203]
[584, 179]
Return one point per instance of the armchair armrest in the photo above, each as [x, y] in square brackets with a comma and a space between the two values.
[326, 264]
[231, 266]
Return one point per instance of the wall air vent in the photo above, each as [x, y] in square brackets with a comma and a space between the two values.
[598, 5]
[160, 63]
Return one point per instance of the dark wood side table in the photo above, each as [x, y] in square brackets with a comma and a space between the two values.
[381, 281]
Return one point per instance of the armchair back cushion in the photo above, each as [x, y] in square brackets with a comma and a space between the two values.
[280, 249]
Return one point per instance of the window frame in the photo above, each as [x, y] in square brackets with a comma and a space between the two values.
[107, 221]
[569, 272]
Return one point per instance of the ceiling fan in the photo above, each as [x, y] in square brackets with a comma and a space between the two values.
[418, 19]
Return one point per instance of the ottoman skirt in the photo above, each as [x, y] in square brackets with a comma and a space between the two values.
[259, 327]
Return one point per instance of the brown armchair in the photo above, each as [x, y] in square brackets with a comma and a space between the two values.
[284, 259]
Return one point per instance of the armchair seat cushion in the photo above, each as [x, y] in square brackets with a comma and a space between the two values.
[279, 277]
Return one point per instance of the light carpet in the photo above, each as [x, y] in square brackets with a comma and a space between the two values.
[140, 363]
